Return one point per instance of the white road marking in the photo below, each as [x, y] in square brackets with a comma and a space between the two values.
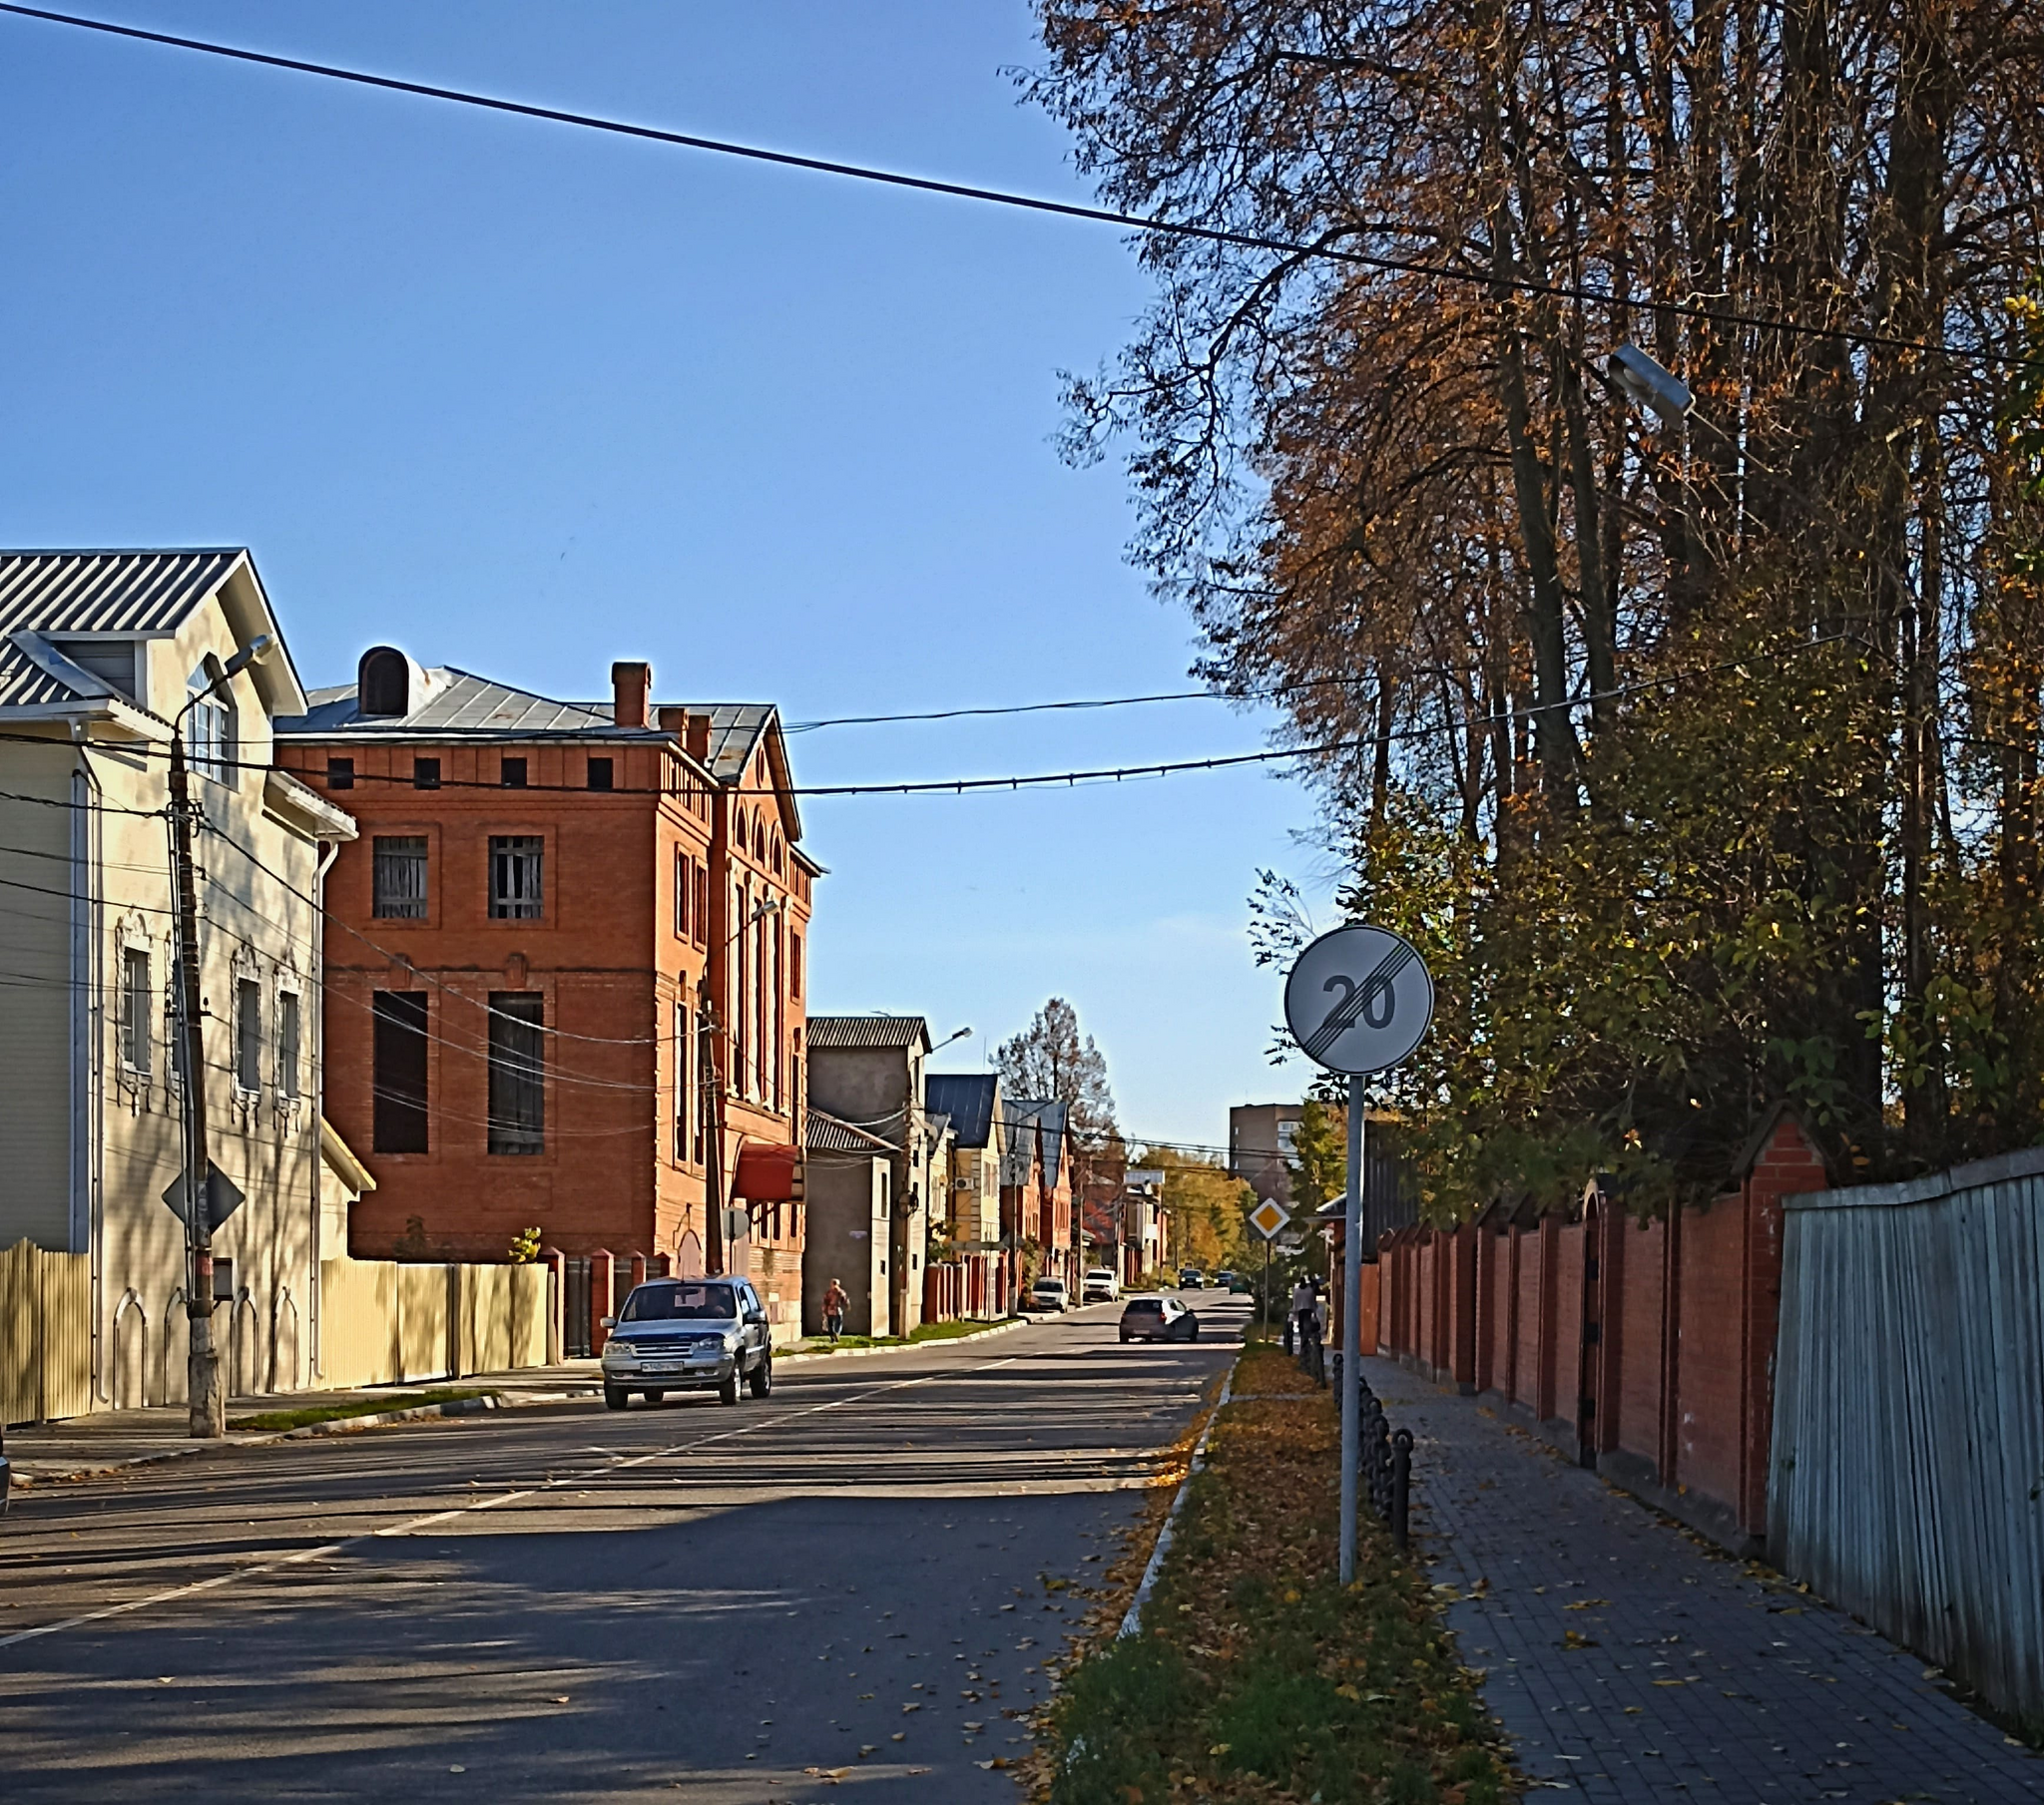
[614, 1465]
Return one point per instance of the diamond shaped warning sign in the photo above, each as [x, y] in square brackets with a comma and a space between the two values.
[1267, 1219]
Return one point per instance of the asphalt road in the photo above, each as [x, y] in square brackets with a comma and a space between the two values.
[571, 1604]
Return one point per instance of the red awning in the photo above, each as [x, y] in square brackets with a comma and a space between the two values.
[768, 1175]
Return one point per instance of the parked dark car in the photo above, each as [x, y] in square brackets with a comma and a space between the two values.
[1157, 1319]
[688, 1334]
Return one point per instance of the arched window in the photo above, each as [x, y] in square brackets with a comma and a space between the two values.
[210, 727]
[777, 852]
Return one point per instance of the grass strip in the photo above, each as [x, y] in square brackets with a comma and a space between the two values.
[931, 1331]
[1257, 1677]
[353, 1407]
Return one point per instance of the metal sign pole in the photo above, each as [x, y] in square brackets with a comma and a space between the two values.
[1351, 1334]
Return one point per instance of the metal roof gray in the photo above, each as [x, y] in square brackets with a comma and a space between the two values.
[458, 702]
[861, 1032]
[826, 1134]
[110, 592]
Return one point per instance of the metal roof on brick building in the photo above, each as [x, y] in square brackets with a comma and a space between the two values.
[859, 1033]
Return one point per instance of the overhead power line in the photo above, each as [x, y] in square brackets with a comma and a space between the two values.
[1328, 249]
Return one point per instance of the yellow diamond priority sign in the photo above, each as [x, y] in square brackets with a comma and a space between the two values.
[1267, 1219]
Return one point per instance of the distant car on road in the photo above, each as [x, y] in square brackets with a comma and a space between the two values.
[1223, 1279]
[1157, 1319]
[1190, 1278]
[1099, 1286]
[1049, 1294]
[688, 1334]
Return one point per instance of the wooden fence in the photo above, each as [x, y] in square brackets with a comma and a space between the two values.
[1907, 1479]
[45, 1334]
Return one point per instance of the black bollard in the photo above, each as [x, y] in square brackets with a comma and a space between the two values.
[1401, 1485]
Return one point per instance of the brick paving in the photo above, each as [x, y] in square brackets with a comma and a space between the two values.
[1632, 1662]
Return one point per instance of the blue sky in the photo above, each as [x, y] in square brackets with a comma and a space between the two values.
[526, 400]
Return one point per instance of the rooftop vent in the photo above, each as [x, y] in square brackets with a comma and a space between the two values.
[389, 683]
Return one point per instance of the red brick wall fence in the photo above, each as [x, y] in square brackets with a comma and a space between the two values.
[1644, 1350]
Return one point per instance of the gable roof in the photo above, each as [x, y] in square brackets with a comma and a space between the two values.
[863, 1033]
[140, 595]
[968, 1099]
[824, 1134]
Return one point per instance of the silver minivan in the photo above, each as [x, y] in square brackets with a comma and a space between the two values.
[688, 1334]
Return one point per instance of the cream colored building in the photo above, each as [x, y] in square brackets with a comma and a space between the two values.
[99, 654]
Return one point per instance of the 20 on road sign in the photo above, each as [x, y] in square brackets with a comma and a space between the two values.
[1359, 999]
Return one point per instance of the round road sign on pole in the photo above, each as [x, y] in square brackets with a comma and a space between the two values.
[1359, 999]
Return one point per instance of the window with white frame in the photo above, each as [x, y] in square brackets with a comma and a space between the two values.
[137, 1010]
[209, 729]
[288, 1030]
[248, 1034]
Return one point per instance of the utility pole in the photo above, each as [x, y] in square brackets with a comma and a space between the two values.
[208, 1404]
[209, 1417]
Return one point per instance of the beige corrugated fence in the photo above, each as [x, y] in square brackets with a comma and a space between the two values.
[383, 1322]
[380, 1322]
[45, 1334]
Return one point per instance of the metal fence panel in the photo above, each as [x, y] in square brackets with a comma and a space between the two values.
[1907, 1477]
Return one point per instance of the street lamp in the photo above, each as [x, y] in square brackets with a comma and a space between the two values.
[202, 1371]
[1650, 385]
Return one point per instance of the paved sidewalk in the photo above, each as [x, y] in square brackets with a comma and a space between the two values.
[1692, 1677]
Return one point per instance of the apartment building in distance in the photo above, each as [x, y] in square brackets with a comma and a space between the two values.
[566, 971]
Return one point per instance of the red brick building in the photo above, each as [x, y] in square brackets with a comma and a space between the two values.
[565, 969]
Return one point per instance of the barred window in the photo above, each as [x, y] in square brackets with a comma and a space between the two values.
[518, 1092]
[517, 876]
[401, 877]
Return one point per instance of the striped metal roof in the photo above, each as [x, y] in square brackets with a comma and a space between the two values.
[826, 1134]
[458, 702]
[111, 591]
[858, 1032]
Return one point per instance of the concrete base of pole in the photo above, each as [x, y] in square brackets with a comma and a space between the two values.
[202, 1385]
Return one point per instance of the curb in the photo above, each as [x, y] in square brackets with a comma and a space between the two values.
[913, 1347]
[1132, 1620]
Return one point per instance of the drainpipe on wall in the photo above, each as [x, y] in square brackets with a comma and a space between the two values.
[330, 850]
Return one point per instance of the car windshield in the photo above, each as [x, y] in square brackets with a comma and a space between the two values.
[669, 1303]
[1145, 1306]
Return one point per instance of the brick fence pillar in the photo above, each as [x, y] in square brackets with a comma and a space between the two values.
[601, 1282]
[551, 1259]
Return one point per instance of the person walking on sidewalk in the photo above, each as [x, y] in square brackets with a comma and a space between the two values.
[834, 1301]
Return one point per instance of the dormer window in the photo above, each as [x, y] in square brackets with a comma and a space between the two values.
[385, 683]
[210, 726]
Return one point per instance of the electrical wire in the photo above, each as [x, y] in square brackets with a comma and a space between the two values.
[1071, 779]
[1052, 707]
[1328, 249]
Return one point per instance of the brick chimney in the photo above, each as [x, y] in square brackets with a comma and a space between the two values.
[699, 738]
[631, 692]
[673, 721]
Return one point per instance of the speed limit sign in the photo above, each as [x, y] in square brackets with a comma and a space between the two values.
[1359, 999]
